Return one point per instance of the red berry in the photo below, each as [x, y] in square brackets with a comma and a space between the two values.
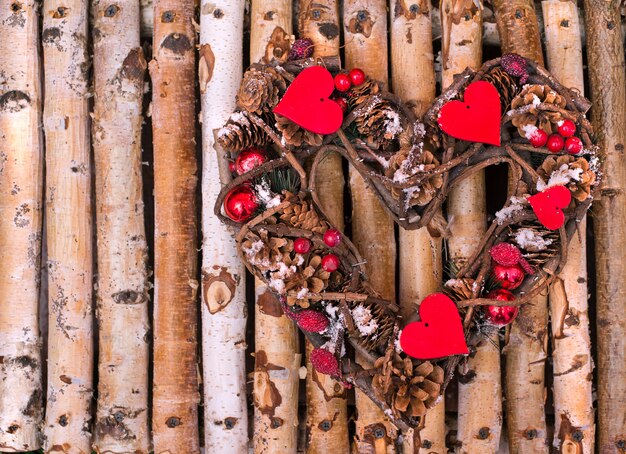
[342, 103]
[573, 145]
[332, 237]
[555, 143]
[509, 277]
[301, 48]
[500, 315]
[231, 166]
[324, 362]
[301, 245]
[249, 159]
[567, 128]
[357, 76]
[538, 138]
[312, 321]
[330, 263]
[342, 82]
[505, 254]
[240, 203]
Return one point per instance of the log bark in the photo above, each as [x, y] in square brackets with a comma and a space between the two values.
[413, 80]
[605, 56]
[69, 227]
[571, 345]
[518, 28]
[21, 215]
[223, 274]
[122, 251]
[175, 391]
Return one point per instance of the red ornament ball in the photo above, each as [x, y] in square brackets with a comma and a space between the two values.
[357, 76]
[312, 321]
[249, 159]
[555, 143]
[573, 145]
[332, 237]
[301, 245]
[231, 166]
[324, 362]
[301, 48]
[330, 263]
[567, 128]
[509, 277]
[500, 315]
[342, 82]
[538, 138]
[240, 203]
[342, 103]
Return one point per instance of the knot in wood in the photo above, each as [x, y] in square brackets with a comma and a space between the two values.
[13, 428]
[111, 10]
[519, 14]
[230, 422]
[379, 432]
[530, 434]
[427, 444]
[218, 13]
[325, 425]
[362, 15]
[60, 13]
[16, 6]
[276, 423]
[414, 8]
[172, 422]
[316, 14]
[168, 16]
[483, 433]
[621, 444]
[578, 436]
[118, 416]
[63, 420]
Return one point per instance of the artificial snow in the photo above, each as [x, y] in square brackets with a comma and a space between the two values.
[561, 177]
[364, 321]
[507, 212]
[265, 195]
[530, 240]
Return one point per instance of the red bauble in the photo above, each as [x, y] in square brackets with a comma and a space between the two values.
[500, 315]
[342, 82]
[555, 143]
[312, 321]
[332, 237]
[567, 128]
[342, 103]
[538, 138]
[301, 245]
[573, 145]
[240, 203]
[249, 159]
[357, 76]
[324, 362]
[330, 263]
[509, 277]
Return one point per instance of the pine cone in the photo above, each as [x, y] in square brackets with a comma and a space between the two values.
[408, 389]
[373, 326]
[531, 117]
[240, 133]
[459, 289]
[505, 83]
[312, 279]
[266, 252]
[301, 214]
[358, 95]
[537, 243]
[380, 124]
[261, 89]
[296, 135]
[572, 171]
[400, 169]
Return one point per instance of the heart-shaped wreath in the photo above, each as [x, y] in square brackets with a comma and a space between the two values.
[511, 111]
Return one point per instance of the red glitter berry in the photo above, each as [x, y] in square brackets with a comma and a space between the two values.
[573, 145]
[332, 237]
[515, 65]
[312, 321]
[538, 138]
[301, 245]
[342, 82]
[324, 362]
[357, 76]
[555, 143]
[301, 48]
[567, 128]
[330, 263]
[505, 254]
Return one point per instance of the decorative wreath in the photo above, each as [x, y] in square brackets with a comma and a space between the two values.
[511, 111]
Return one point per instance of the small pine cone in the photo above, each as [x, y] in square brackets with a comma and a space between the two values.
[373, 326]
[531, 117]
[240, 133]
[538, 244]
[267, 252]
[423, 162]
[575, 169]
[312, 279]
[260, 89]
[301, 214]
[505, 83]
[409, 389]
[380, 124]
[295, 134]
[358, 95]
[459, 289]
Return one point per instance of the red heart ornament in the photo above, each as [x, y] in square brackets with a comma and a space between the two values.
[476, 118]
[548, 205]
[439, 332]
[306, 102]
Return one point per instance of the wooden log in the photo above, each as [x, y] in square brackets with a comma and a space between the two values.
[518, 28]
[223, 274]
[122, 292]
[413, 80]
[605, 57]
[21, 217]
[175, 391]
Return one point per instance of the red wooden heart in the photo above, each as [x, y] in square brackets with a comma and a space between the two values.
[476, 118]
[548, 205]
[438, 334]
[306, 102]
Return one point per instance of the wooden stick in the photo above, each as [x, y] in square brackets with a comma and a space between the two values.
[605, 56]
[175, 392]
[21, 217]
[518, 28]
[223, 274]
[413, 80]
[119, 69]
[69, 226]
[365, 34]
[571, 356]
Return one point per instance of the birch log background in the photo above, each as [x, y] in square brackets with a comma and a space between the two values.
[256, 390]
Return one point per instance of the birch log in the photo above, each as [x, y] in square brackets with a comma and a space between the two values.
[327, 409]
[365, 34]
[21, 213]
[571, 346]
[69, 227]
[413, 80]
[607, 77]
[480, 391]
[277, 353]
[223, 274]
[526, 349]
[175, 391]
[122, 292]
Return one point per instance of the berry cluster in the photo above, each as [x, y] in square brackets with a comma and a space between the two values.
[556, 142]
[344, 82]
[332, 238]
